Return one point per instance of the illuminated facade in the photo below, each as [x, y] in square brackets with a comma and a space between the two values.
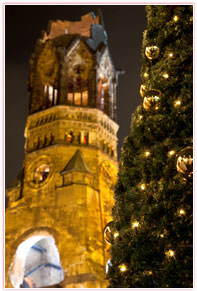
[62, 199]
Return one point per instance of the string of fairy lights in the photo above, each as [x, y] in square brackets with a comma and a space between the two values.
[184, 157]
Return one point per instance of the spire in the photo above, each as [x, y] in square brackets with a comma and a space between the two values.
[100, 15]
[76, 163]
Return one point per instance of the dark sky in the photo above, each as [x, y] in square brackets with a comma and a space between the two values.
[23, 25]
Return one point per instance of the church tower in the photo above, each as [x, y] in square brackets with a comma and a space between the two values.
[62, 198]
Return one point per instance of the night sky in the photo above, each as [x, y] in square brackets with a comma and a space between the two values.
[23, 25]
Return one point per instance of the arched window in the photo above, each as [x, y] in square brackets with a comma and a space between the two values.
[79, 138]
[86, 138]
[103, 93]
[51, 95]
[70, 137]
[79, 98]
[36, 263]
[77, 88]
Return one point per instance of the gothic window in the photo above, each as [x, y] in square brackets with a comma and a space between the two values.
[79, 66]
[85, 98]
[70, 137]
[79, 138]
[103, 94]
[85, 139]
[51, 95]
[78, 98]
[70, 98]
[55, 96]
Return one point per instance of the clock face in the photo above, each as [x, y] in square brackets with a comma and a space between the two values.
[39, 172]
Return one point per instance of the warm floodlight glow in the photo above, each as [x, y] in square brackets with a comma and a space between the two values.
[147, 154]
[135, 224]
[165, 75]
[177, 103]
[175, 18]
[170, 253]
[123, 268]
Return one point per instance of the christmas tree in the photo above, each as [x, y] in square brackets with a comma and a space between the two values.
[151, 233]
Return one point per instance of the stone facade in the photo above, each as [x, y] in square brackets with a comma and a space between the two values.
[64, 193]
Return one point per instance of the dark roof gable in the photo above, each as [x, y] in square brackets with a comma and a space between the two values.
[76, 163]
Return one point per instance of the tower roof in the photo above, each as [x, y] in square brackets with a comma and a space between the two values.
[90, 28]
[72, 66]
[76, 163]
[82, 27]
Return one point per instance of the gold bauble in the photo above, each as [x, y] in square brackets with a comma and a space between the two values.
[152, 100]
[142, 90]
[152, 52]
[184, 162]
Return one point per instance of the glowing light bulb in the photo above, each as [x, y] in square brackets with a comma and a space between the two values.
[135, 224]
[116, 234]
[170, 55]
[177, 103]
[147, 153]
[165, 75]
[123, 268]
[182, 212]
[171, 153]
[143, 186]
[148, 273]
[170, 253]
[146, 75]
[163, 234]
[175, 18]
